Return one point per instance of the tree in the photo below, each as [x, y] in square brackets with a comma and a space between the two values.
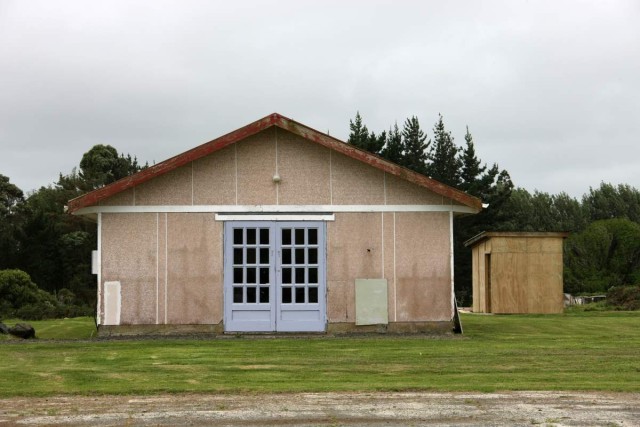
[102, 165]
[360, 136]
[11, 207]
[470, 167]
[609, 201]
[444, 163]
[415, 146]
[393, 149]
[605, 254]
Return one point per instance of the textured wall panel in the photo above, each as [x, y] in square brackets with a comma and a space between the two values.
[401, 192]
[423, 266]
[172, 188]
[194, 281]
[214, 178]
[304, 169]
[355, 183]
[256, 167]
[129, 256]
[121, 199]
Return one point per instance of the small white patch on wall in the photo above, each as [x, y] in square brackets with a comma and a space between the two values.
[371, 302]
[112, 303]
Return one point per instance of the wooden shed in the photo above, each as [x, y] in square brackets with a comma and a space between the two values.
[274, 227]
[517, 272]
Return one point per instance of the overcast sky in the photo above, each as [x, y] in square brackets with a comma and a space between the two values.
[550, 90]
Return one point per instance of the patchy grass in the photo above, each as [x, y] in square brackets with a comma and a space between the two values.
[71, 329]
[578, 351]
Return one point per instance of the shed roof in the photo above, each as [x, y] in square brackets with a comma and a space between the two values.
[485, 235]
[287, 124]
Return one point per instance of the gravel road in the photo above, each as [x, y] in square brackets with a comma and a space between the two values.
[329, 409]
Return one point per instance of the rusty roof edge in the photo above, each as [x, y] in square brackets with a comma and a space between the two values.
[172, 163]
[290, 125]
[378, 162]
[487, 234]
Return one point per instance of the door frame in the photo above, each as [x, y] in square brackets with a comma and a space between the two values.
[282, 317]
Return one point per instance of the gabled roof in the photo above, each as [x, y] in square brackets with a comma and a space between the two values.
[287, 124]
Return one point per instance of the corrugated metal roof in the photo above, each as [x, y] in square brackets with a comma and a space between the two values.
[290, 125]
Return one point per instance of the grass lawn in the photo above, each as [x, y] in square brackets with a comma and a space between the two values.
[576, 351]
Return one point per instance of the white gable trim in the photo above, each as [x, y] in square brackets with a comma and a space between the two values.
[228, 209]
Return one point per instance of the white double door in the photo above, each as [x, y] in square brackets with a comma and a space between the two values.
[274, 276]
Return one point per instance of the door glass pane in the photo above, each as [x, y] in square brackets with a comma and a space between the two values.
[264, 236]
[264, 275]
[237, 255]
[313, 294]
[237, 236]
[286, 295]
[313, 275]
[237, 294]
[300, 275]
[313, 236]
[251, 275]
[264, 256]
[299, 256]
[286, 236]
[313, 256]
[299, 236]
[286, 256]
[251, 294]
[237, 275]
[251, 255]
[286, 275]
[251, 236]
[264, 294]
[300, 295]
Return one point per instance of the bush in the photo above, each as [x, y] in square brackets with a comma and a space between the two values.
[22, 299]
[624, 297]
[606, 254]
[17, 291]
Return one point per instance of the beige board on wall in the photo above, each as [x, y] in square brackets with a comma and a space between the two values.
[371, 302]
[112, 300]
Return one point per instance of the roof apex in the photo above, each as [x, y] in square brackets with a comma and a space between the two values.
[266, 122]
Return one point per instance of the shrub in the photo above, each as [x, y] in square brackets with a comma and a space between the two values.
[606, 254]
[624, 297]
[21, 298]
[17, 290]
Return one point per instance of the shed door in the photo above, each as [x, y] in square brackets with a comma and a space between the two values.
[274, 276]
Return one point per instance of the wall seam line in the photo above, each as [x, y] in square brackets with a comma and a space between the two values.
[235, 158]
[99, 244]
[157, 267]
[395, 279]
[166, 263]
[382, 240]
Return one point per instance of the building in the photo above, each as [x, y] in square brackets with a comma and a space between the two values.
[517, 272]
[274, 227]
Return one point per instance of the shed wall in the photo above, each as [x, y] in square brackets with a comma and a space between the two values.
[526, 275]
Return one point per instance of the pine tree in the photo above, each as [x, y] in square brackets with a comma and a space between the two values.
[470, 170]
[393, 150]
[359, 134]
[445, 165]
[415, 146]
[362, 138]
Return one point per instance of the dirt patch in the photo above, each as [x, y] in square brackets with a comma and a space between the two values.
[331, 409]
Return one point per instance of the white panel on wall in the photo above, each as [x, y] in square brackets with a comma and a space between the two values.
[111, 303]
[371, 302]
[94, 262]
